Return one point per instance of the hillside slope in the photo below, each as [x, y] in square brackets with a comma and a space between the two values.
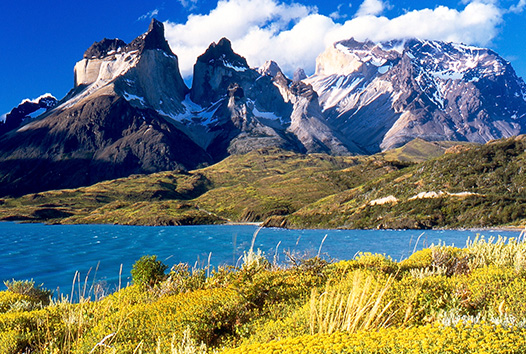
[241, 188]
[478, 186]
[469, 186]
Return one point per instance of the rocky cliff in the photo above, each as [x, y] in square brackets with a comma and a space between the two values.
[382, 95]
[131, 112]
[108, 126]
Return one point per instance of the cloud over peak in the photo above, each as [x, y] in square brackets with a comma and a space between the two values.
[149, 15]
[293, 34]
[371, 8]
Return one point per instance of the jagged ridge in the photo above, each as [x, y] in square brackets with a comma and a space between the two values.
[364, 98]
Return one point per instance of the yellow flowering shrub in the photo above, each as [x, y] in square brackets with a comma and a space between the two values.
[208, 313]
[484, 288]
[512, 298]
[9, 301]
[429, 339]
[428, 303]
[419, 259]
[364, 260]
[31, 328]
[13, 341]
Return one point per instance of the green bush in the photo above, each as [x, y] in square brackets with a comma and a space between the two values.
[148, 271]
[28, 288]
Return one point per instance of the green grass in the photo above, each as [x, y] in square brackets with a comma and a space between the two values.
[440, 300]
[419, 150]
[493, 174]
[282, 188]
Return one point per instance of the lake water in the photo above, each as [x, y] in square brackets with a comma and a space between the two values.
[52, 254]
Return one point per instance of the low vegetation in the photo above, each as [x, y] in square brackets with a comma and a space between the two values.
[440, 300]
[410, 187]
[481, 186]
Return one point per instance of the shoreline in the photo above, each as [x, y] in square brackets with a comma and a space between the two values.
[261, 224]
[243, 223]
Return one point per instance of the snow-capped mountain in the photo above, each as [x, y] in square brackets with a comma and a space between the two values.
[383, 95]
[249, 108]
[108, 125]
[131, 112]
[26, 111]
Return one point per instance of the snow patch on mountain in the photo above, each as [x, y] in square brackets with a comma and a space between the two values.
[268, 115]
[130, 97]
[234, 67]
[382, 94]
[46, 96]
[193, 113]
[36, 113]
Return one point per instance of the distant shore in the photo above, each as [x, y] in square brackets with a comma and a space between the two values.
[243, 223]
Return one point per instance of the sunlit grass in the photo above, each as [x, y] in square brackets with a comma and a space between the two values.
[440, 300]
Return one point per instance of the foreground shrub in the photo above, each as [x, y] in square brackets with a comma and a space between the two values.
[344, 308]
[29, 289]
[428, 303]
[500, 252]
[209, 314]
[17, 302]
[419, 259]
[366, 261]
[429, 339]
[148, 271]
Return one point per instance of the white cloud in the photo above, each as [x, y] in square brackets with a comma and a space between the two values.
[3, 117]
[149, 15]
[253, 25]
[519, 7]
[293, 34]
[188, 4]
[477, 23]
[371, 7]
[337, 15]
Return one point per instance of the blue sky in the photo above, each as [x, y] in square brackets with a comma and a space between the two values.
[42, 41]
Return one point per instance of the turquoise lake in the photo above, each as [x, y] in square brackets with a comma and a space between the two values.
[52, 254]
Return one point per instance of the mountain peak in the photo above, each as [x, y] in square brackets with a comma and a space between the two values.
[215, 69]
[299, 75]
[430, 89]
[224, 43]
[99, 50]
[269, 68]
[222, 54]
[152, 39]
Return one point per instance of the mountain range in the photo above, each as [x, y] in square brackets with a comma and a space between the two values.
[130, 111]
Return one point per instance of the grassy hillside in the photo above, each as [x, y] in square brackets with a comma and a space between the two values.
[419, 150]
[241, 188]
[439, 300]
[469, 187]
[409, 187]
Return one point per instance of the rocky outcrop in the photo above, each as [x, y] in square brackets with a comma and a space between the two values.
[144, 70]
[109, 125]
[258, 107]
[131, 112]
[153, 39]
[215, 70]
[309, 125]
[26, 111]
[299, 75]
[383, 95]
[102, 49]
